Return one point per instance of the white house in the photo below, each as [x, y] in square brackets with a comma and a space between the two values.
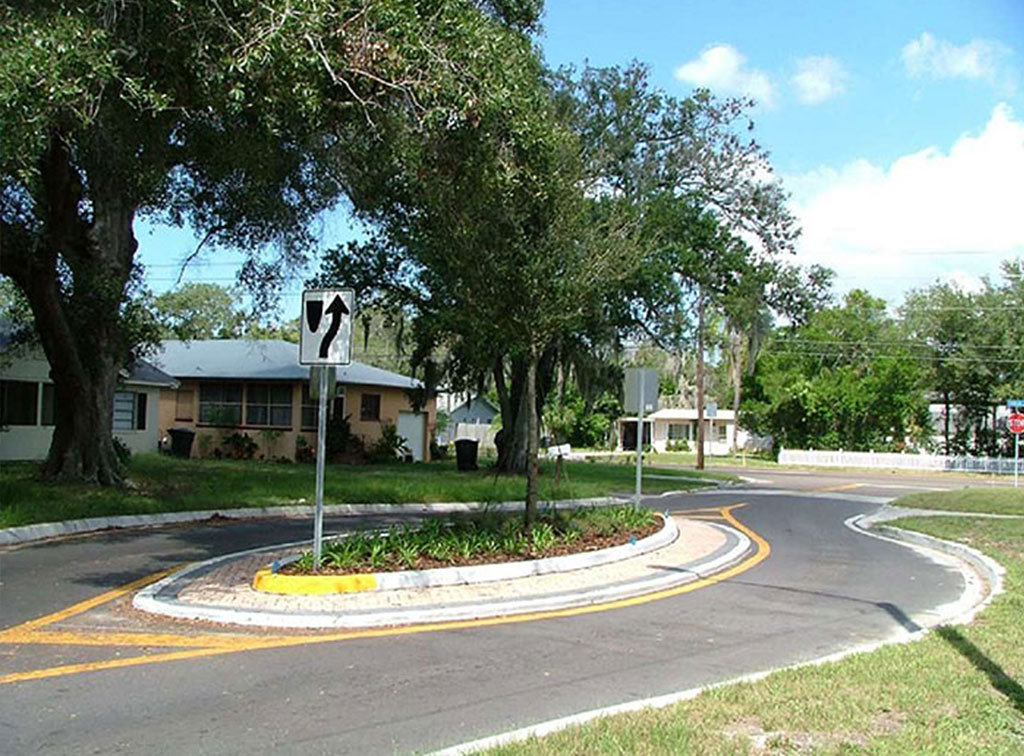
[27, 405]
[680, 424]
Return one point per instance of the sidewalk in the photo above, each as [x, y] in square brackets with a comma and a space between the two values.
[220, 590]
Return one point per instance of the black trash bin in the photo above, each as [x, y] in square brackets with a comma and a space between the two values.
[465, 453]
[181, 441]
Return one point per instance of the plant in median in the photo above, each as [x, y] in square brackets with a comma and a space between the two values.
[466, 539]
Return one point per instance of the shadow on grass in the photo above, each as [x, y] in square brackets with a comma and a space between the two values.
[997, 677]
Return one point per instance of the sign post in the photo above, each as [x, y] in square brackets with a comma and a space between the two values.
[641, 392]
[324, 341]
[1015, 424]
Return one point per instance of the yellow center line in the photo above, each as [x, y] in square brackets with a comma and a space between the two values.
[213, 645]
[844, 487]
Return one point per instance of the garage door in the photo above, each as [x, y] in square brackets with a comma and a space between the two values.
[412, 427]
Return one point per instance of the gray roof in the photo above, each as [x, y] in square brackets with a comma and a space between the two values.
[270, 359]
[145, 374]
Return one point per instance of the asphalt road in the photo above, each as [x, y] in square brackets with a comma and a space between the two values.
[823, 588]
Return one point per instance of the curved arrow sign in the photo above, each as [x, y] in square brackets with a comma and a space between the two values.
[326, 327]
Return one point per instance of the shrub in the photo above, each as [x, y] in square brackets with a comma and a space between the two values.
[122, 451]
[303, 451]
[389, 446]
[239, 446]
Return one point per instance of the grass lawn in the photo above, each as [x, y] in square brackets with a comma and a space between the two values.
[167, 484]
[960, 690]
[990, 500]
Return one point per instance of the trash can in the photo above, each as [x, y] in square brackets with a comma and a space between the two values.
[465, 453]
[181, 441]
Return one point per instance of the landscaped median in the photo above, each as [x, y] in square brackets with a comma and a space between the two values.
[478, 550]
[163, 484]
[958, 690]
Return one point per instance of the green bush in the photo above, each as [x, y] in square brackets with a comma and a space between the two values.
[389, 446]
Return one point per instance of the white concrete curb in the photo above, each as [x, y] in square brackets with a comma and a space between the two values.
[29, 533]
[955, 612]
[149, 599]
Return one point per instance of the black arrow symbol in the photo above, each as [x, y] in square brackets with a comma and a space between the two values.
[314, 311]
[336, 309]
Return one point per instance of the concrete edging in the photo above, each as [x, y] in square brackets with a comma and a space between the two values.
[42, 531]
[271, 582]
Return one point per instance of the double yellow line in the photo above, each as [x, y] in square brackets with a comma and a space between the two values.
[40, 632]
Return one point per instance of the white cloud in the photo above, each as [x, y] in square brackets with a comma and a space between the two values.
[927, 216]
[721, 68]
[819, 78]
[937, 58]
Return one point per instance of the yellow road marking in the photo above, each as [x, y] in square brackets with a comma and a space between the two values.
[215, 645]
[84, 606]
[844, 487]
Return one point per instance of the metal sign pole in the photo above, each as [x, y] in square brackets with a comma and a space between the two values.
[321, 452]
[1016, 458]
[639, 436]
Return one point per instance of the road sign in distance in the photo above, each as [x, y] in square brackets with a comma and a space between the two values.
[1015, 403]
[1015, 423]
[631, 399]
[326, 327]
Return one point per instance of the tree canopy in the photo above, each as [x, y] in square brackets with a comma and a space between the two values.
[242, 120]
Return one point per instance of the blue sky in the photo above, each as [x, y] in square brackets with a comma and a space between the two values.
[898, 127]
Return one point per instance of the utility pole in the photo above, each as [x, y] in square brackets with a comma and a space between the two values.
[700, 378]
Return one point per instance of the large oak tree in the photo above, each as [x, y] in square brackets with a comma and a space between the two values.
[237, 118]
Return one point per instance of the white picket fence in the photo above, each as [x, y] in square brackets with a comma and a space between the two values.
[896, 461]
[482, 433]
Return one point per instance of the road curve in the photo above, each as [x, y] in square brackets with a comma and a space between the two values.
[823, 588]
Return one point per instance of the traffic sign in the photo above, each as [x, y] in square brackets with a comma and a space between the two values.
[326, 327]
[1015, 423]
[1015, 403]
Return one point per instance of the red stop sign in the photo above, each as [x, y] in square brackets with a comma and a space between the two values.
[1015, 423]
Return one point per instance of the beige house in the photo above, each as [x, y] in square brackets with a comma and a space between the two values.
[27, 402]
[259, 389]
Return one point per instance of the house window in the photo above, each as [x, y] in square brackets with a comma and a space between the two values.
[220, 403]
[183, 404]
[49, 403]
[129, 410]
[268, 404]
[677, 431]
[722, 431]
[369, 408]
[18, 402]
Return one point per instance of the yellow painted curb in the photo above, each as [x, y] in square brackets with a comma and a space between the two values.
[309, 585]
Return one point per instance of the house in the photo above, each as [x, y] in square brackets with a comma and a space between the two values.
[475, 416]
[27, 405]
[258, 388]
[668, 425]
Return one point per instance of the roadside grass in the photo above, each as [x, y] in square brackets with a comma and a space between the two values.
[959, 690]
[168, 484]
[990, 500]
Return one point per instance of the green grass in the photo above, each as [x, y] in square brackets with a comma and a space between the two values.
[960, 690]
[991, 500]
[166, 484]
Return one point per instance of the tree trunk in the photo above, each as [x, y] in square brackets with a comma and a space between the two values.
[700, 379]
[77, 312]
[533, 428]
[945, 397]
[736, 342]
[515, 407]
